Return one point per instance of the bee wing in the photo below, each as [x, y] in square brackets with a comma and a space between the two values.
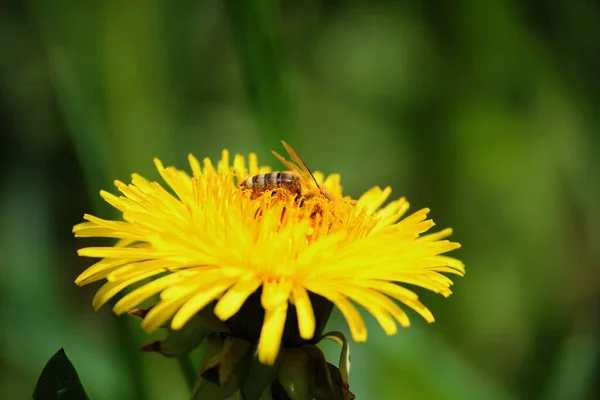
[300, 166]
[293, 167]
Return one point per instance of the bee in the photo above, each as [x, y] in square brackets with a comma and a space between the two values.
[298, 180]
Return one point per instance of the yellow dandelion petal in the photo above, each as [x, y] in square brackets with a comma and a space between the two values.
[110, 289]
[127, 243]
[194, 165]
[358, 329]
[454, 266]
[235, 297]
[223, 165]
[368, 298]
[253, 167]
[275, 293]
[137, 296]
[199, 301]
[269, 342]
[207, 167]
[432, 237]
[133, 193]
[306, 315]
[391, 289]
[319, 176]
[374, 198]
[99, 270]
[399, 294]
[391, 213]
[116, 202]
[416, 223]
[117, 252]
[432, 281]
[190, 281]
[327, 243]
[119, 230]
[133, 269]
[420, 309]
[332, 182]
[163, 311]
[199, 238]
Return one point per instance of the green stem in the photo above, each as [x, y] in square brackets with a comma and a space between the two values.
[188, 369]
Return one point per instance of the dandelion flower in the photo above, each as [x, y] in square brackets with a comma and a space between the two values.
[204, 240]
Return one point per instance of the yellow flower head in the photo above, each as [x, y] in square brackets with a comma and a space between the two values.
[210, 239]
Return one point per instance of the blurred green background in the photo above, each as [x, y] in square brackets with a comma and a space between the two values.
[487, 112]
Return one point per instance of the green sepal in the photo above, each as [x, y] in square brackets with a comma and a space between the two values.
[344, 366]
[183, 341]
[208, 390]
[59, 380]
[338, 392]
[223, 368]
[257, 384]
[265, 395]
[296, 373]
[212, 352]
[304, 374]
[321, 370]
[234, 359]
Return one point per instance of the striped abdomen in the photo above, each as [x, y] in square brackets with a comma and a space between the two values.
[275, 180]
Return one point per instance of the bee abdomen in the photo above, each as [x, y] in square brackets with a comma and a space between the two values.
[274, 180]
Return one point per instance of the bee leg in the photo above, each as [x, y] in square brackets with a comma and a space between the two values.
[283, 211]
[317, 210]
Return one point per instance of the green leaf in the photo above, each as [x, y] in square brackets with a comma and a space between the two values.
[59, 380]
